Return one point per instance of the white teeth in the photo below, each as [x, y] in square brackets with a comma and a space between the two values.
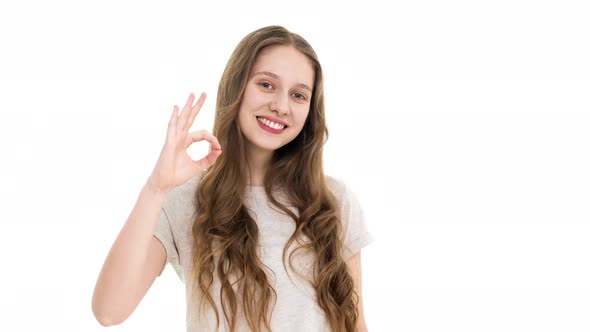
[271, 124]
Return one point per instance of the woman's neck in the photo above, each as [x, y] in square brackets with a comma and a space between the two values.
[258, 163]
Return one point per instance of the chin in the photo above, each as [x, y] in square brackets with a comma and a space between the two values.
[271, 148]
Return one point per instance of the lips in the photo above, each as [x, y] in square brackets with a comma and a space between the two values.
[270, 118]
[270, 129]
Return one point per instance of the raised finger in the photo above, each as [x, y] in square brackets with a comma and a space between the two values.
[171, 131]
[195, 110]
[185, 112]
[173, 117]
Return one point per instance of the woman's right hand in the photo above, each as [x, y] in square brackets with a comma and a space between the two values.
[175, 166]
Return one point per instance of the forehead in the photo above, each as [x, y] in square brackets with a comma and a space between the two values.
[287, 63]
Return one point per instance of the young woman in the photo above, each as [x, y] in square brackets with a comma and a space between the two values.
[262, 238]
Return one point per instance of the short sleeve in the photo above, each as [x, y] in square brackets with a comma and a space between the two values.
[356, 233]
[165, 234]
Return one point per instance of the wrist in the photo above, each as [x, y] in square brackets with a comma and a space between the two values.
[154, 189]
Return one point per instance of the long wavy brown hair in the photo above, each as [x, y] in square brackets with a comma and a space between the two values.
[226, 236]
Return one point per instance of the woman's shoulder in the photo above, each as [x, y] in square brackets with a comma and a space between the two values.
[337, 185]
[183, 195]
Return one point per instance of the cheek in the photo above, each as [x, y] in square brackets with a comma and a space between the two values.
[254, 98]
[301, 115]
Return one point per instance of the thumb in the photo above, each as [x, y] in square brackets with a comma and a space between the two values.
[208, 160]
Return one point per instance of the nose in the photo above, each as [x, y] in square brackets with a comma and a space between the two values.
[280, 104]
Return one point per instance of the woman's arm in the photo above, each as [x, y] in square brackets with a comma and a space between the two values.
[133, 262]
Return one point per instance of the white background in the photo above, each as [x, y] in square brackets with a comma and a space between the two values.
[462, 126]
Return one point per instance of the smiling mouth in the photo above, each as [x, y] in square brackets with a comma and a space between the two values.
[264, 125]
[270, 124]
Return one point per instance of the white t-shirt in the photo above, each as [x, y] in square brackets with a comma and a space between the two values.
[296, 307]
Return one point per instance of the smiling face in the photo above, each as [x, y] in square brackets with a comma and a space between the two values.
[279, 89]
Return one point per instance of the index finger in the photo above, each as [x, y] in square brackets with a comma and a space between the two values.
[195, 110]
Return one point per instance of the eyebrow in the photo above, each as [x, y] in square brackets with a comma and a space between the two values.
[273, 75]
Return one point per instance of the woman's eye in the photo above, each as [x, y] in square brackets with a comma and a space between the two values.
[265, 84]
[299, 96]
